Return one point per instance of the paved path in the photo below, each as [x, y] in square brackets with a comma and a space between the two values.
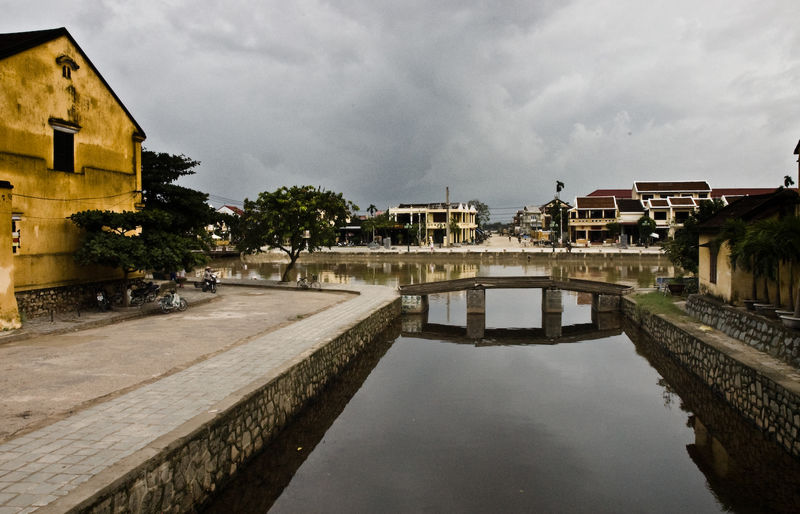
[39, 467]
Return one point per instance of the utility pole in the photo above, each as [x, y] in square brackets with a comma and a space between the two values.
[559, 187]
[447, 218]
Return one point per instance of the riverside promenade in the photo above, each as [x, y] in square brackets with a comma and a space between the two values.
[64, 459]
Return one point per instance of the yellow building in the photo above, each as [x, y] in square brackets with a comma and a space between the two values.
[432, 222]
[67, 144]
[716, 275]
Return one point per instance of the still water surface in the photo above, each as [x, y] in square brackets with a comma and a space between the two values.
[426, 425]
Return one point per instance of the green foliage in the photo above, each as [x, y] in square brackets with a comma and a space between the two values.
[657, 303]
[555, 220]
[646, 226]
[482, 213]
[189, 209]
[613, 229]
[379, 224]
[280, 219]
[133, 241]
[684, 249]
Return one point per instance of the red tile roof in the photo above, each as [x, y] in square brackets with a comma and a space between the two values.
[595, 202]
[681, 201]
[694, 185]
[719, 192]
[616, 193]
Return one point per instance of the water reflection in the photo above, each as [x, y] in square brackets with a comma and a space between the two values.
[745, 471]
[631, 272]
[258, 485]
[507, 424]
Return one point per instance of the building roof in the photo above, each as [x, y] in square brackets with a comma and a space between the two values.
[441, 205]
[753, 207]
[719, 192]
[232, 208]
[797, 149]
[675, 187]
[658, 203]
[616, 193]
[681, 201]
[595, 202]
[17, 42]
[629, 205]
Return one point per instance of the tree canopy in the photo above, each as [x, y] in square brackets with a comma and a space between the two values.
[189, 209]
[133, 241]
[292, 219]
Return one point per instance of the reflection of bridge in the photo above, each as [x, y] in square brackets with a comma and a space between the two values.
[413, 327]
[605, 298]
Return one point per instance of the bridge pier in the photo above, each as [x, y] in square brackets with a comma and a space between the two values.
[476, 301]
[476, 325]
[605, 302]
[552, 309]
[413, 304]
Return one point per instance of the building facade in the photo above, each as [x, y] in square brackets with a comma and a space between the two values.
[67, 144]
[430, 222]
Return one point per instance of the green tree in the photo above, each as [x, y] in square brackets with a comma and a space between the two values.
[558, 216]
[646, 227]
[292, 219]
[684, 248]
[380, 223]
[132, 241]
[188, 209]
[482, 213]
[613, 229]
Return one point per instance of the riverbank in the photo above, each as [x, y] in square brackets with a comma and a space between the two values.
[164, 443]
[762, 389]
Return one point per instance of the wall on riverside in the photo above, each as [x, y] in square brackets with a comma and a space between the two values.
[750, 328]
[773, 408]
[180, 471]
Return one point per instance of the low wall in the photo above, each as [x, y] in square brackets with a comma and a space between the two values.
[40, 302]
[750, 388]
[180, 470]
[752, 329]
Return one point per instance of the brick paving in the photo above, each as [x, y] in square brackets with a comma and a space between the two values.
[41, 466]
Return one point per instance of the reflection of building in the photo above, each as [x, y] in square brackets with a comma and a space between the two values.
[68, 144]
[431, 223]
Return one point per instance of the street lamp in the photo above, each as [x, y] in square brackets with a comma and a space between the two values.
[559, 187]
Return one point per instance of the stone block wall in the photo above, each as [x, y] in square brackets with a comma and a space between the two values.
[181, 470]
[771, 406]
[769, 337]
[40, 302]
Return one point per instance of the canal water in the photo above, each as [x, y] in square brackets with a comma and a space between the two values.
[603, 423]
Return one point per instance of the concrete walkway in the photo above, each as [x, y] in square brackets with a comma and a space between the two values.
[41, 468]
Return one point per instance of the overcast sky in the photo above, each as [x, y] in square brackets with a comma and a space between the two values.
[389, 101]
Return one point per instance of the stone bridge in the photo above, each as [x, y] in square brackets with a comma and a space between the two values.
[605, 298]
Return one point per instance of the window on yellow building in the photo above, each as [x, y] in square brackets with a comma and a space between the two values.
[15, 239]
[63, 151]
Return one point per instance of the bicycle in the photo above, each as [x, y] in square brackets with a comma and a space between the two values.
[305, 283]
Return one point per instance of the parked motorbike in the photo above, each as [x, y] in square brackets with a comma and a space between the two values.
[146, 293]
[103, 303]
[172, 301]
[210, 284]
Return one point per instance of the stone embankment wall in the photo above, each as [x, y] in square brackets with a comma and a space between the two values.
[771, 338]
[180, 471]
[772, 406]
[41, 302]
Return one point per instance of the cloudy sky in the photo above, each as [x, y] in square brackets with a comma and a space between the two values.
[389, 101]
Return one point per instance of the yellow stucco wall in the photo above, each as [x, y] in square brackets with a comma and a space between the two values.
[107, 159]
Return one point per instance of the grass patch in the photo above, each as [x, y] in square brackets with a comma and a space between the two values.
[658, 303]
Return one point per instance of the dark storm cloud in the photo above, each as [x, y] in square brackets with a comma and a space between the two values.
[391, 101]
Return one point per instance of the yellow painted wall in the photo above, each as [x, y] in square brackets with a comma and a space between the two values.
[107, 160]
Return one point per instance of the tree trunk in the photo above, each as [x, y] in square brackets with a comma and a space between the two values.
[778, 291]
[292, 259]
[126, 301]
